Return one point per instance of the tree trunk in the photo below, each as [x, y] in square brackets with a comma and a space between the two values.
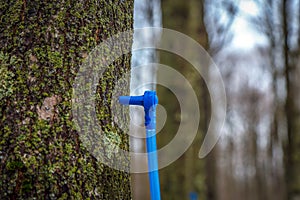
[292, 108]
[146, 14]
[187, 174]
[41, 48]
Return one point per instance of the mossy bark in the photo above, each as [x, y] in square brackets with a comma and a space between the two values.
[42, 44]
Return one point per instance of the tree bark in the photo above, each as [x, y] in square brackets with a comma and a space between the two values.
[42, 45]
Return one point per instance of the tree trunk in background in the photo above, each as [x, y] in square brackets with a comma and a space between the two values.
[196, 30]
[146, 14]
[41, 48]
[276, 179]
[292, 106]
[187, 174]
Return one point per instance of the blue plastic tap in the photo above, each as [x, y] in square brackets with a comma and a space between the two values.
[149, 101]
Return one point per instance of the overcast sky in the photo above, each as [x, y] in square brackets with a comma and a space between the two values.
[245, 37]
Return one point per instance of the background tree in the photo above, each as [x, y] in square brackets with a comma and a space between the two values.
[291, 60]
[42, 45]
[146, 14]
[187, 174]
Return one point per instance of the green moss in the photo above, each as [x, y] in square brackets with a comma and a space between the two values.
[27, 186]
[6, 76]
[14, 165]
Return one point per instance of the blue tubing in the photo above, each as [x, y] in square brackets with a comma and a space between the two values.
[152, 157]
[148, 101]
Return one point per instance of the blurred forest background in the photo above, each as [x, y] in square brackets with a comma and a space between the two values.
[256, 45]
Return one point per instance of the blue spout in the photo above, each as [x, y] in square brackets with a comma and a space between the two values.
[130, 100]
[149, 101]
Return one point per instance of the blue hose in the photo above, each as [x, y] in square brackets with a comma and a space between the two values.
[149, 101]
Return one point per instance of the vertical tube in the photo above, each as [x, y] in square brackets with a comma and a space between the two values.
[149, 101]
[152, 155]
